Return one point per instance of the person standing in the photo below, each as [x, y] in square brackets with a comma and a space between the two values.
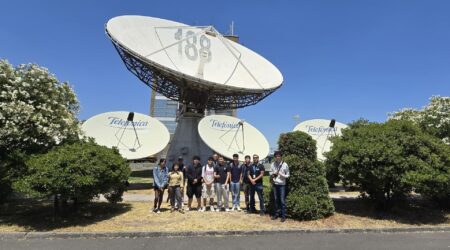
[235, 184]
[208, 184]
[183, 169]
[222, 175]
[175, 185]
[279, 172]
[160, 178]
[246, 182]
[255, 175]
[194, 187]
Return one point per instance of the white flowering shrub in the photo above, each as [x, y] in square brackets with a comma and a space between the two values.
[36, 112]
[433, 118]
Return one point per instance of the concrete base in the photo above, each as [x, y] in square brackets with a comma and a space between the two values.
[186, 141]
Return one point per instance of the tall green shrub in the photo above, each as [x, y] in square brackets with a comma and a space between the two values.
[308, 197]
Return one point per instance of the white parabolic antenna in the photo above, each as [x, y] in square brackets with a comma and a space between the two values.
[321, 131]
[174, 58]
[228, 135]
[142, 137]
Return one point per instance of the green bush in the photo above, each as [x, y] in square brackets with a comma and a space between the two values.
[299, 144]
[385, 160]
[308, 198]
[433, 180]
[78, 171]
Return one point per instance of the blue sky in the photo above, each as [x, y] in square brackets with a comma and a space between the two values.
[340, 59]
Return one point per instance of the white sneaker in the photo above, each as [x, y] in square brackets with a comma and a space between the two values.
[227, 210]
[212, 209]
[203, 209]
[238, 209]
[218, 209]
[157, 211]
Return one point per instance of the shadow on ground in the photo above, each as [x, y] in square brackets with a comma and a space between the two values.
[39, 215]
[417, 212]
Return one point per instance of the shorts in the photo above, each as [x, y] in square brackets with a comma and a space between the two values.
[208, 192]
[194, 190]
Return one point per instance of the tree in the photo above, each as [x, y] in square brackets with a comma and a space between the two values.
[298, 143]
[308, 197]
[78, 171]
[433, 118]
[36, 113]
[378, 158]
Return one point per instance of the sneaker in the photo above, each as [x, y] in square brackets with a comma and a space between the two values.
[227, 210]
[199, 209]
[181, 211]
[238, 209]
[212, 209]
[158, 211]
[203, 209]
[172, 209]
[218, 209]
[283, 219]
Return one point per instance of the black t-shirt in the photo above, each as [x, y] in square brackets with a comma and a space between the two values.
[245, 169]
[222, 172]
[194, 172]
[255, 171]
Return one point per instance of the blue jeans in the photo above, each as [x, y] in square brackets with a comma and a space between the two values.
[236, 193]
[258, 188]
[279, 193]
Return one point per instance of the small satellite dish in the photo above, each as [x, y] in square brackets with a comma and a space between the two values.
[135, 135]
[321, 130]
[228, 135]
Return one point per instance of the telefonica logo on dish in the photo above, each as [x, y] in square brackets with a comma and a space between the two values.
[222, 125]
[121, 122]
[319, 130]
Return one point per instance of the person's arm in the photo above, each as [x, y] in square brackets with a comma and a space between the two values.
[199, 176]
[227, 181]
[216, 171]
[261, 170]
[190, 177]
[156, 179]
[182, 182]
[286, 172]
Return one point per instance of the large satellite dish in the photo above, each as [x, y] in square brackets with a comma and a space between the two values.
[321, 130]
[135, 135]
[228, 135]
[192, 64]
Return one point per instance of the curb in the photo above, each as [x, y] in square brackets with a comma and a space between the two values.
[77, 235]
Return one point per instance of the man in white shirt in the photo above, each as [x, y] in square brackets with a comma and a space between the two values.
[279, 172]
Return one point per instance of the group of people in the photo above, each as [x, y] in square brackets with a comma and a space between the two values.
[216, 179]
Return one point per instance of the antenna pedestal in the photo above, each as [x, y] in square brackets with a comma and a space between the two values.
[186, 141]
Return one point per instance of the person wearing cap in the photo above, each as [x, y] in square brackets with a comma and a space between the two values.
[255, 175]
[246, 182]
[235, 184]
[279, 172]
[194, 174]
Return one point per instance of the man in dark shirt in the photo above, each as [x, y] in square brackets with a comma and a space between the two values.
[194, 183]
[255, 175]
[246, 181]
[222, 175]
